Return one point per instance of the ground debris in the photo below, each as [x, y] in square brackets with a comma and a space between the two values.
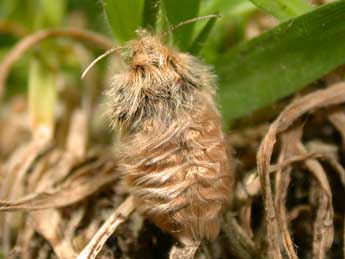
[55, 200]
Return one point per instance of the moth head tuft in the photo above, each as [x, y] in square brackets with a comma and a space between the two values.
[148, 50]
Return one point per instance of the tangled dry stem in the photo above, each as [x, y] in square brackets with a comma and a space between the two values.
[277, 233]
[51, 189]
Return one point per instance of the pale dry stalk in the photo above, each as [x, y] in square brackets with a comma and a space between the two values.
[108, 228]
[322, 98]
[283, 179]
[183, 252]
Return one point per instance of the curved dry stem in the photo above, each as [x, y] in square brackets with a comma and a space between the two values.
[250, 187]
[282, 182]
[240, 244]
[323, 230]
[316, 100]
[28, 42]
[108, 228]
[74, 190]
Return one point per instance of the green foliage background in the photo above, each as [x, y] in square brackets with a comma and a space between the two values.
[252, 73]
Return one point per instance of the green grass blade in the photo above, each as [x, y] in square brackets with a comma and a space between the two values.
[200, 40]
[42, 73]
[228, 29]
[124, 17]
[282, 60]
[224, 7]
[42, 97]
[178, 11]
[150, 16]
[283, 9]
[50, 14]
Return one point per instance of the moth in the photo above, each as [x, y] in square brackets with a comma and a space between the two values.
[170, 143]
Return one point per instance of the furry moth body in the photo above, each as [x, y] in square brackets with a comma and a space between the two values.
[170, 142]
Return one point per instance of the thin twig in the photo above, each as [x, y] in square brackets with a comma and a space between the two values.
[296, 211]
[294, 159]
[250, 187]
[240, 244]
[28, 42]
[183, 252]
[108, 228]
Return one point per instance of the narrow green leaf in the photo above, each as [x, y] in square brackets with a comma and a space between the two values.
[42, 79]
[124, 17]
[20, 11]
[42, 97]
[284, 9]
[228, 29]
[225, 7]
[7, 8]
[282, 60]
[50, 13]
[179, 11]
[200, 40]
[150, 16]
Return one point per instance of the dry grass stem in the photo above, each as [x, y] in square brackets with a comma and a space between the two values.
[183, 252]
[240, 244]
[108, 228]
[12, 187]
[78, 134]
[86, 180]
[282, 180]
[309, 103]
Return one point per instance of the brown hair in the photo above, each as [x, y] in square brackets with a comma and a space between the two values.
[170, 141]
